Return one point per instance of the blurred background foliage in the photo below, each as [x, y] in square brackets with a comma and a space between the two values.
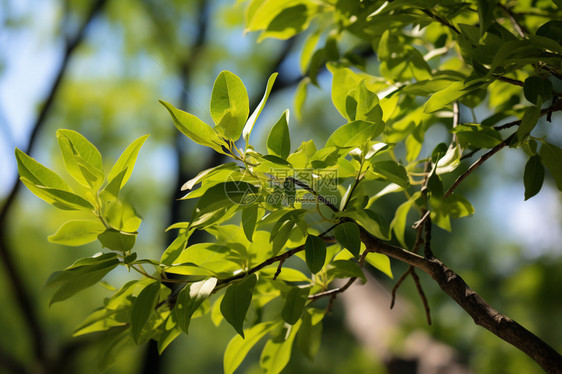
[134, 52]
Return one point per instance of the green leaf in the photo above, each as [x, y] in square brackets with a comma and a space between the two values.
[536, 88]
[194, 128]
[77, 232]
[252, 120]
[170, 331]
[277, 352]
[454, 206]
[344, 80]
[175, 248]
[122, 216]
[236, 302]
[307, 50]
[229, 105]
[61, 199]
[347, 234]
[369, 220]
[315, 253]
[551, 157]
[354, 134]
[249, 219]
[190, 299]
[227, 194]
[453, 92]
[80, 275]
[126, 162]
[142, 308]
[38, 174]
[398, 224]
[345, 269]
[485, 14]
[238, 347]
[393, 172]
[290, 21]
[278, 141]
[207, 174]
[477, 136]
[533, 176]
[294, 304]
[300, 97]
[309, 337]
[81, 158]
[282, 236]
[117, 240]
[528, 122]
[380, 262]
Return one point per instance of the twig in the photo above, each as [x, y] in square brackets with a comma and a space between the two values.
[481, 312]
[518, 27]
[397, 285]
[422, 295]
[441, 20]
[479, 162]
[427, 252]
[320, 198]
[514, 82]
[281, 262]
[282, 257]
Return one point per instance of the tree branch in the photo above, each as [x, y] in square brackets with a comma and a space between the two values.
[17, 284]
[481, 312]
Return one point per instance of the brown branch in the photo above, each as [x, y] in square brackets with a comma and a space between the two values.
[16, 281]
[427, 252]
[514, 82]
[422, 295]
[398, 284]
[479, 162]
[556, 106]
[481, 312]
[441, 20]
[516, 25]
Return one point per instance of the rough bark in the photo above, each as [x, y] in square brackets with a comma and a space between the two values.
[481, 312]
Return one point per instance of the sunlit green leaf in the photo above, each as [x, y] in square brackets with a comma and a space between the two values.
[81, 158]
[142, 308]
[117, 240]
[380, 262]
[77, 232]
[38, 174]
[61, 199]
[277, 352]
[238, 347]
[236, 302]
[392, 171]
[190, 299]
[278, 141]
[194, 128]
[229, 105]
[252, 120]
[126, 161]
[80, 275]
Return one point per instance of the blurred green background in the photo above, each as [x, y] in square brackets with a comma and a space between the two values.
[114, 60]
